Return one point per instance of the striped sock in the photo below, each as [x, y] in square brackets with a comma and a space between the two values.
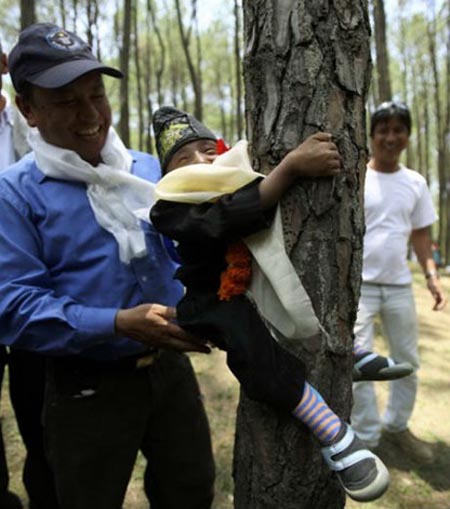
[317, 415]
[359, 351]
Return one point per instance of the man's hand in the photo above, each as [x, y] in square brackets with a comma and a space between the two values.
[317, 156]
[436, 290]
[152, 324]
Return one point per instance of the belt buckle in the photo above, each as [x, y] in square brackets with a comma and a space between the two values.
[147, 360]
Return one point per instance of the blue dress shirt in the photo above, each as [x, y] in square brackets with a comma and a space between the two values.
[61, 279]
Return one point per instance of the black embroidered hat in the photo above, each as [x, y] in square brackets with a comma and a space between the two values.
[174, 128]
[50, 57]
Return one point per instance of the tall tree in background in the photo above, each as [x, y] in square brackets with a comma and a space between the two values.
[446, 134]
[27, 13]
[160, 66]
[148, 76]
[124, 121]
[307, 68]
[194, 69]
[404, 64]
[382, 55]
[238, 70]
[62, 10]
[137, 67]
[439, 126]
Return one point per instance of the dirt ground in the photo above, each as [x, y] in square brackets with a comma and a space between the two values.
[412, 487]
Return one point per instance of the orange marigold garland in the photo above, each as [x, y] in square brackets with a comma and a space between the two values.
[235, 279]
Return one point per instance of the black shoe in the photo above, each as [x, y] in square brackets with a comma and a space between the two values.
[10, 500]
[361, 473]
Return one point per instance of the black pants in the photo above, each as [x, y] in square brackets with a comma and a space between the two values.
[97, 417]
[266, 371]
[27, 385]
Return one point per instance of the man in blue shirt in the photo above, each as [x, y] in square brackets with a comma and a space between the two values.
[88, 285]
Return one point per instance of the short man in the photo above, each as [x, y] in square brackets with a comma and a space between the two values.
[398, 207]
[85, 283]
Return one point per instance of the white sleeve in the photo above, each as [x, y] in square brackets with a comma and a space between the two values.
[424, 213]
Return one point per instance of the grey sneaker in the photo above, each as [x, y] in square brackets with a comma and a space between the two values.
[361, 473]
[413, 447]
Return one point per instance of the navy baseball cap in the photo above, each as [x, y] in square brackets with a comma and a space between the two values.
[49, 56]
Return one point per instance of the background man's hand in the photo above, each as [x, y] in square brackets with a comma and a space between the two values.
[436, 290]
[152, 324]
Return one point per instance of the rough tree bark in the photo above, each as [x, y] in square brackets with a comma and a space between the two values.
[307, 68]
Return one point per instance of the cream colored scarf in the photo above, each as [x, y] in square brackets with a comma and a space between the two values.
[113, 192]
[275, 286]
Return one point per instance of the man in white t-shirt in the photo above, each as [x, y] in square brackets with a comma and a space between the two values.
[398, 208]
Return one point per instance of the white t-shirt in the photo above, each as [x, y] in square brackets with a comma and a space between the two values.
[6, 135]
[394, 205]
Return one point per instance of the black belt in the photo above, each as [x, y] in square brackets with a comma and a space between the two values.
[130, 363]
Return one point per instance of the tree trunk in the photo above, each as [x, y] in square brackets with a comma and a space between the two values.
[382, 61]
[446, 252]
[124, 122]
[148, 79]
[162, 48]
[194, 72]
[405, 58]
[440, 135]
[27, 13]
[137, 64]
[62, 12]
[238, 67]
[307, 68]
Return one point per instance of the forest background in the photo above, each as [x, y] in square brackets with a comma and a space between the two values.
[189, 53]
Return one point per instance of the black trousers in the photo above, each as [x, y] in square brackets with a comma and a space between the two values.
[27, 373]
[98, 416]
[266, 371]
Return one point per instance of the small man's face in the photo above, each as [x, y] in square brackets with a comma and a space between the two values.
[75, 117]
[195, 152]
[389, 139]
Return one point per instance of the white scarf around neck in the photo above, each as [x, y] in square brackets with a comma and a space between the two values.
[114, 194]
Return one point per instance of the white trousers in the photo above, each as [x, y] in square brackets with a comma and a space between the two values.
[396, 308]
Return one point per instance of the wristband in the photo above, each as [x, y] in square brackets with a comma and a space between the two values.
[431, 273]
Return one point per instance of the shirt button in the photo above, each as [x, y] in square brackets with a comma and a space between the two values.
[144, 278]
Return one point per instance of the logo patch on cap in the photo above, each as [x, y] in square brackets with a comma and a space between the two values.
[170, 136]
[60, 39]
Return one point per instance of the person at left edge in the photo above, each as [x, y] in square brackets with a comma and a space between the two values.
[26, 370]
[87, 284]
